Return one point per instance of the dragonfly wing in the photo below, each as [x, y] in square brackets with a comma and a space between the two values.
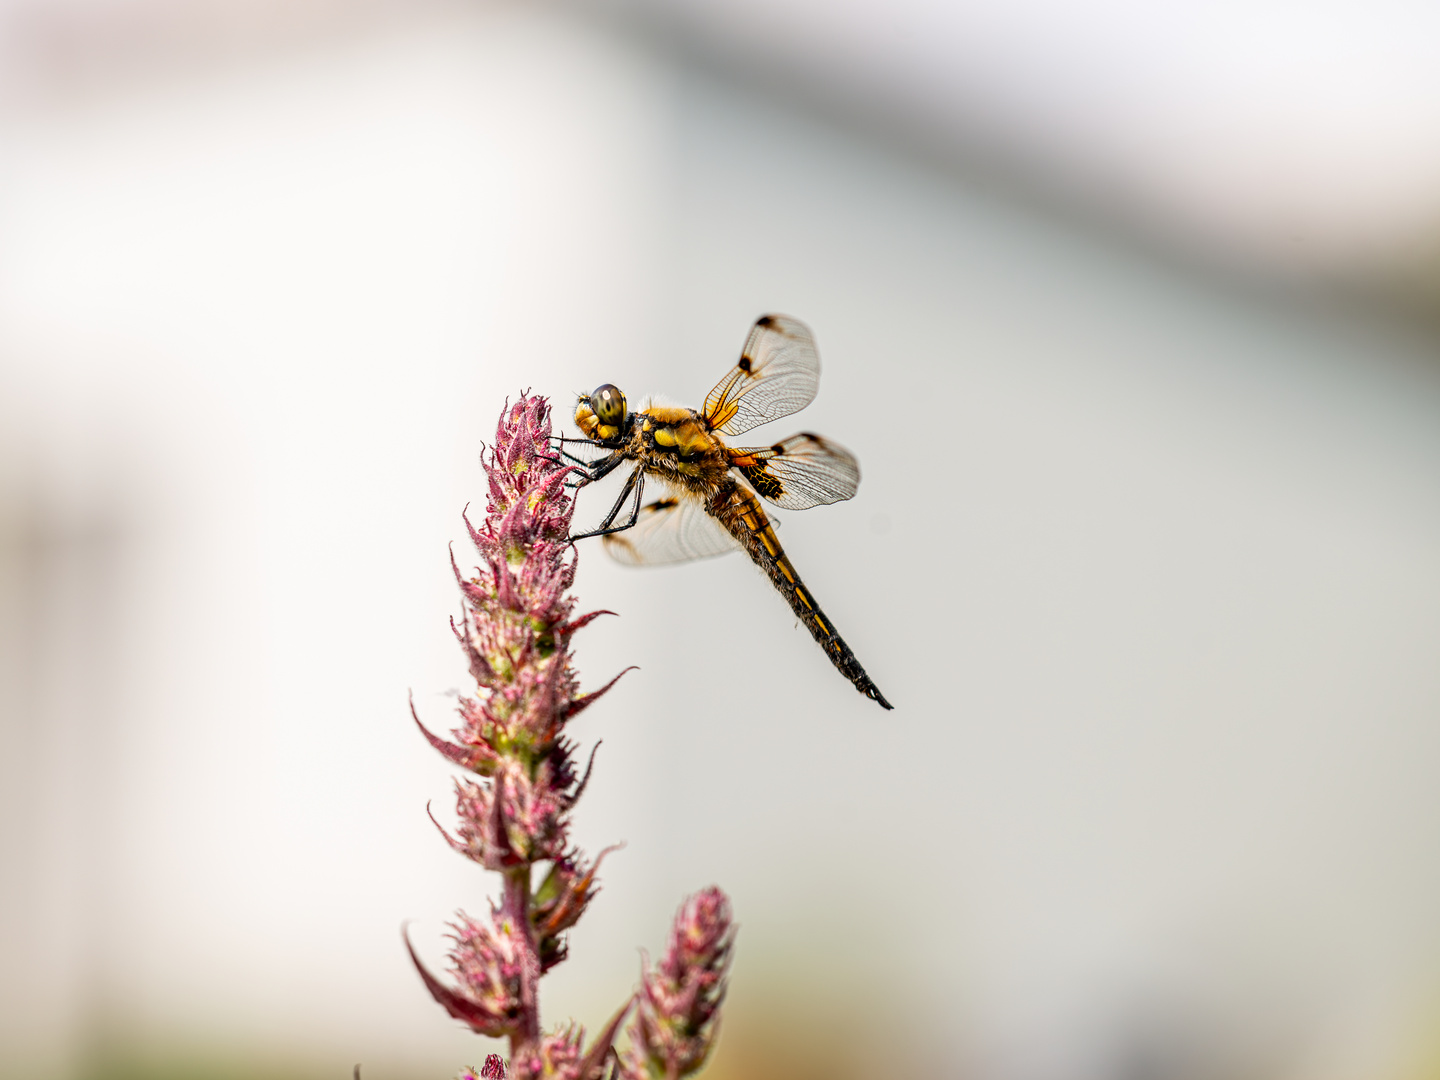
[803, 471]
[670, 531]
[778, 373]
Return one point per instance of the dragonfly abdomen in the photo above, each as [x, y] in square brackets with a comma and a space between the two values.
[745, 519]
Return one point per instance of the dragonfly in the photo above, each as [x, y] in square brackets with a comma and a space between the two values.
[712, 491]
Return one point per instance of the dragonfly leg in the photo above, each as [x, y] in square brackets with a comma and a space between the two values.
[559, 442]
[563, 440]
[636, 483]
[598, 470]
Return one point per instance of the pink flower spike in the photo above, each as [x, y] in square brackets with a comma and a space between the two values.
[513, 810]
[677, 1011]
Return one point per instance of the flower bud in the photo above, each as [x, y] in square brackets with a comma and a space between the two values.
[511, 819]
[677, 1009]
[489, 960]
[557, 1057]
[493, 1069]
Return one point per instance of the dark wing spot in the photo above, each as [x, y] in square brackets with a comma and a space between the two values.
[779, 449]
[765, 483]
[664, 504]
[744, 364]
[766, 321]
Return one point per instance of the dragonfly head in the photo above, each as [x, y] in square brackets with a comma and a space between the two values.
[603, 415]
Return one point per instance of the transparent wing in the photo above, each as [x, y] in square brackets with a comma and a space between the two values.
[670, 531]
[803, 471]
[778, 373]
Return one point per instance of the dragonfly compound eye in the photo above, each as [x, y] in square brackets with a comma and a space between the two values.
[609, 405]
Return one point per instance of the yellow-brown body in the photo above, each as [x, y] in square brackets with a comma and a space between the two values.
[677, 447]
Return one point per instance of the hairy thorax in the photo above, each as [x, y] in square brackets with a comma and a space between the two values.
[675, 445]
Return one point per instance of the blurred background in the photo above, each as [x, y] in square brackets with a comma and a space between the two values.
[1131, 313]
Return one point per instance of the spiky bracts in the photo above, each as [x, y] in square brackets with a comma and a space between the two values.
[514, 811]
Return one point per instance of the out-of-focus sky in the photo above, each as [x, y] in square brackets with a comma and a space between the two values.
[1143, 553]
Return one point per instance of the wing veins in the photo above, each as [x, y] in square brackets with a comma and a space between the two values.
[802, 471]
[778, 374]
[670, 530]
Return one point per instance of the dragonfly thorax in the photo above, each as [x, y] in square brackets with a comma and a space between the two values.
[679, 441]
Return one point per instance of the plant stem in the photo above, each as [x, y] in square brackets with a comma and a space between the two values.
[517, 907]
